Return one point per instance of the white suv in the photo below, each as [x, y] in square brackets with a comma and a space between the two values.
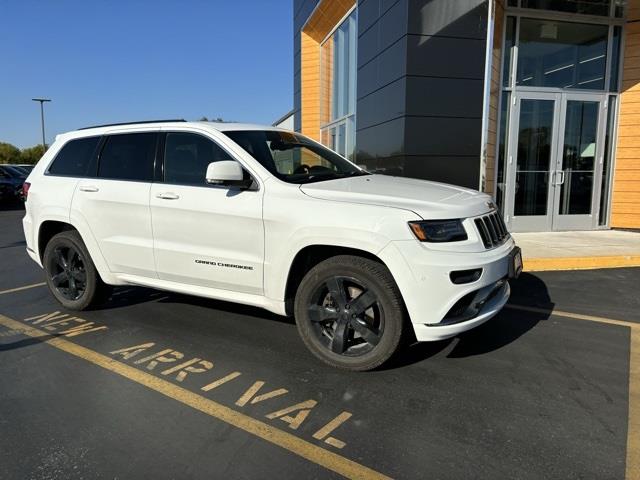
[267, 217]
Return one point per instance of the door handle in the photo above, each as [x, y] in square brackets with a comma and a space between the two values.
[88, 188]
[168, 196]
[561, 173]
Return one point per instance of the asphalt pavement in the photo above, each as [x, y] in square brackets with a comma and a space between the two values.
[540, 391]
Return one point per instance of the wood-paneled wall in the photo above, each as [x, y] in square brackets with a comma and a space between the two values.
[625, 205]
[323, 19]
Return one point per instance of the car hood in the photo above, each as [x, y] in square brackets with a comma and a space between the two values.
[430, 200]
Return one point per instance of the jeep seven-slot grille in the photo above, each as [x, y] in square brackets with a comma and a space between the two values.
[492, 229]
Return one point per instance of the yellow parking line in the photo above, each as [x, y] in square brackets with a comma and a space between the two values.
[577, 316]
[19, 289]
[318, 455]
[633, 422]
[633, 428]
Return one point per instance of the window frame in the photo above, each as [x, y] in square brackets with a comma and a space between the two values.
[348, 118]
[102, 145]
[91, 170]
[611, 14]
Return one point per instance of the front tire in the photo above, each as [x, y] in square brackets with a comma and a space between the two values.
[350, 313]
[71, 275]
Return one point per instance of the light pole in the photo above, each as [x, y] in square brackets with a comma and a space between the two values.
[42, 100]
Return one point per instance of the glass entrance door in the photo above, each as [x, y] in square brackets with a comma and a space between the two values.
[579, 162]
[554, 165]
[531, 165]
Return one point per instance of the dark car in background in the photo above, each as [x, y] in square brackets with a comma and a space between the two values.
[25, 169]
[11, 181]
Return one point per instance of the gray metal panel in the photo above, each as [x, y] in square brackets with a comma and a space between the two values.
[368, 14]
[389, 28]
[444, 97]
[382, 105]
[387, 67]
[464, 169]
[459, 18]
[384, 140]
[445, 57]
[442, 136]
[435, 168]
[301, 11]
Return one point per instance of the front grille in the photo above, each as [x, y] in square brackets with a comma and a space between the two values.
[492, 229]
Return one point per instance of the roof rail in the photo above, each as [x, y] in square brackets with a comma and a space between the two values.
[134, 123]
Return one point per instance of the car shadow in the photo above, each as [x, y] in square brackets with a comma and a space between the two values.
[505, 328]
[127, 296]
[24, 342]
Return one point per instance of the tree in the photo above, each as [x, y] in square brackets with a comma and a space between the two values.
[31, 155]
[9, 153]
[215, 120]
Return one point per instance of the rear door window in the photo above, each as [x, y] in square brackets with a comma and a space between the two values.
[128, 156]
[186, 157]
[75, 157]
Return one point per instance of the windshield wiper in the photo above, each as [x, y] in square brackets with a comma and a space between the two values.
[356, 173]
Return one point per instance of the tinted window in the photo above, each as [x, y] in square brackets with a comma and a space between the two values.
[75, 157]
[186, 156]
[128, 157]
[562, 54]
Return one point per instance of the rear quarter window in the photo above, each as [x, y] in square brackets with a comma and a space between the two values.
[74, 158]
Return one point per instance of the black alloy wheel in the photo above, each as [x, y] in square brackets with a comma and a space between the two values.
[71, 275]
[67, 272]
[349, 312]
[347, 318]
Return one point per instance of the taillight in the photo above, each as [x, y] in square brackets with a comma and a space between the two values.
[25, 190]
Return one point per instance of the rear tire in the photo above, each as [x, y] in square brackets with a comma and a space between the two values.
[71, 275]
[350, 313]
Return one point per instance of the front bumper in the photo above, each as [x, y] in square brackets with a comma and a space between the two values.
[433, 332]
[432, 299]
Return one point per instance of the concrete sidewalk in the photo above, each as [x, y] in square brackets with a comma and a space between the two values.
[579, 250]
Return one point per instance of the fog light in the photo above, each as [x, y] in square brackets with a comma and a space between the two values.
[460, 277]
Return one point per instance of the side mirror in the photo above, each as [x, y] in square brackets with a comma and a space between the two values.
[227, 172]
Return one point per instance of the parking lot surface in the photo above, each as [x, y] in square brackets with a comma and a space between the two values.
[156, 384]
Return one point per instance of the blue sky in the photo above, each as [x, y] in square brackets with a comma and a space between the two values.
[122, 60]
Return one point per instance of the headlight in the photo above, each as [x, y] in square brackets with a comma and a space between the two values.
[439, 230]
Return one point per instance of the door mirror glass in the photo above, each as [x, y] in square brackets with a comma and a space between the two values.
[226, 172]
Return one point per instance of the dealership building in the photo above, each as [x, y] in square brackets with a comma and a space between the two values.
[536, 102]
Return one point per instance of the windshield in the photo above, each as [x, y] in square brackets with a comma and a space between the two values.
[12, 171]
[292, 157]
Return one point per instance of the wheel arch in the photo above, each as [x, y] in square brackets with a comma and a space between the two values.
[48, 228]
[308, 257]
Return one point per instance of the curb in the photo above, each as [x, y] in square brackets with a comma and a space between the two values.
[579, 263]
